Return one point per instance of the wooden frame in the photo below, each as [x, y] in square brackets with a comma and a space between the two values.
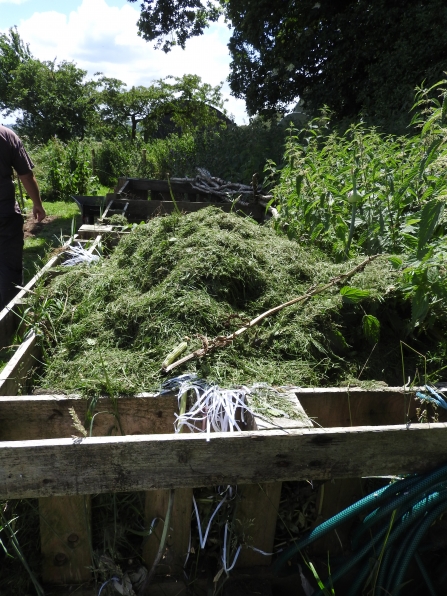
[356, 433]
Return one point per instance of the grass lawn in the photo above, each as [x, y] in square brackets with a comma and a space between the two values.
[63, 219]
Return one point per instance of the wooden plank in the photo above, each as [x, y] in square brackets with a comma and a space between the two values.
[334, 496]
[302, 420]
[257, 512]
[65, 529]
[127, 463]
[177, 542]
[47, 416]
[13, 377]
[354, 406]
[141, 210]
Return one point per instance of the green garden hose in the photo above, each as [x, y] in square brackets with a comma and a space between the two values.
[417, 501]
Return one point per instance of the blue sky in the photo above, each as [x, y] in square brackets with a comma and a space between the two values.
[101, 35]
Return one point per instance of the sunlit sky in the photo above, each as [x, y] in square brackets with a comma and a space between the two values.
[101, 36]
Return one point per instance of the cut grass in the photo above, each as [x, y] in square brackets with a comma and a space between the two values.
[109, 327]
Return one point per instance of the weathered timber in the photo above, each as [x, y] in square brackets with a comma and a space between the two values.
[177, 542]
[256, 514]
[65, 528]
[340, 406]
[139, 210]
[257, 510]
[47, 416]
[14, 376]
[127, 463]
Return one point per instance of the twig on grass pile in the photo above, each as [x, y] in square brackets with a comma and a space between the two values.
[221, 341]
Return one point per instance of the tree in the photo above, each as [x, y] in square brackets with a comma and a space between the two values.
[352, 55]
[54, 99]
[13, 53]
[184, 18]
[120, 107]
[181, 103]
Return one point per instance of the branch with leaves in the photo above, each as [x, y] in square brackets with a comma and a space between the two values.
[222, 341]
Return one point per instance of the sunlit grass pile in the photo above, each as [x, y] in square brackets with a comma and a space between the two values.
[107, 328]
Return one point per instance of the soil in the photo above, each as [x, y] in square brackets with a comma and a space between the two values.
[32, 228]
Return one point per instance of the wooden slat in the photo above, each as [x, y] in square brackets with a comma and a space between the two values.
[180, 528]
[15, 374]
[65, 529]
[47, 416]
[140, 210]
[105, 464]
[257, 509]
[334, 406]
[257, 513]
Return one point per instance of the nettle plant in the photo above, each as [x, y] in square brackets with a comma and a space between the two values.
[362, 192]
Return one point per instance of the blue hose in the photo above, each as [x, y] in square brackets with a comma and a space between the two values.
[415, 500]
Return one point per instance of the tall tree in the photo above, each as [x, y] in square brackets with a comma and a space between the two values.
[13, 53]
[352, 55]
[54, 99]
[174, 102]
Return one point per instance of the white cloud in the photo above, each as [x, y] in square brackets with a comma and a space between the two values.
[13, 1]
[102, 38]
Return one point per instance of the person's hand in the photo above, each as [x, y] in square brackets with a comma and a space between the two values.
[39, 212]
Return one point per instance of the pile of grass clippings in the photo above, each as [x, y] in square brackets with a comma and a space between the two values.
[107, 328]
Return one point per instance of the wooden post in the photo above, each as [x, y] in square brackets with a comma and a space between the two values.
[179, 532]
[257, 513]
[65, 533]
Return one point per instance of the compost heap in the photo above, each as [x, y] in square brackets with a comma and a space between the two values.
[107, 327]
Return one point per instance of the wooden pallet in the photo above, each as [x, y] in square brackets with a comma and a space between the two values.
[344, 433]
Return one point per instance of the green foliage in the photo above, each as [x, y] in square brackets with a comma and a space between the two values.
[174, 104]
[54, 98]
[361, 192]
[65, 169]
[355, 56]
[13, 53]
[182, 18]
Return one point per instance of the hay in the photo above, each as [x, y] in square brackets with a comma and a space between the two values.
[108, 327]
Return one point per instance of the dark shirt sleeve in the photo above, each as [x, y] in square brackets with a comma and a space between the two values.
[21, 161]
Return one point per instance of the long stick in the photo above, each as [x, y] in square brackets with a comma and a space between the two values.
[222, 341]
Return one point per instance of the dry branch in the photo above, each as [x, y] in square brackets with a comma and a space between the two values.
[222, 341]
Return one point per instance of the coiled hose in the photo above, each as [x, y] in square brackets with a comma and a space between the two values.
[401, 514]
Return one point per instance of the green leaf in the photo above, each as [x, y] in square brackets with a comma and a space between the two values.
[419, 306]
[396, 262]
[430, 216]
[353, 295]
[371, 328]
[298, 183]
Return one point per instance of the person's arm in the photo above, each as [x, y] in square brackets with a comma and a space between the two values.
[30, 183]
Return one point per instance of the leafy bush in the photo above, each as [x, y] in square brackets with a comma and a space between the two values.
[365, 193]
[64, 169]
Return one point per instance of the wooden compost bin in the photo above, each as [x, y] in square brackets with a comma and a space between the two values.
[355, 433]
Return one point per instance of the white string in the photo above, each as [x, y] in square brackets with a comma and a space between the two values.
[213, 408]
[224, 553]
[201, 538]
[79, 255]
